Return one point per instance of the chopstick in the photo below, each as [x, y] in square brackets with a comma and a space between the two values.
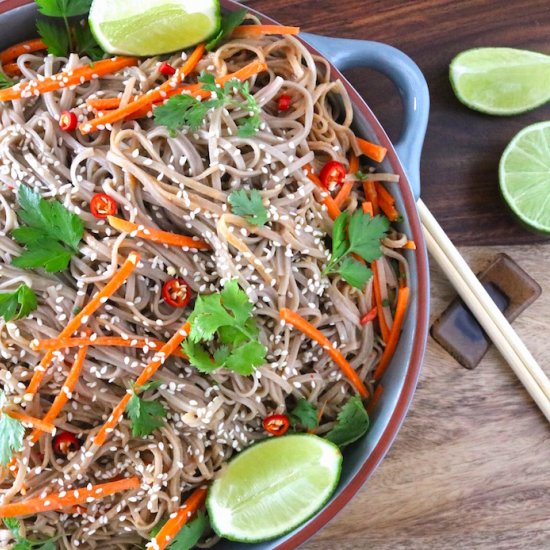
[492, 320]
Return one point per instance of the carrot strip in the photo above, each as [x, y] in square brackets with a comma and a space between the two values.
[81, 318]
[383, 194]
[140, 343]
[369, 316]
[11, 69]
[31, 421]
[332, 208]
[66, 78]
[391, 344]
[378, 391]
[146, 374]
[410, 245]
[388, 209]
[105, 103]
[367, 208]
[156, 94]
[378, 301]
[58, 501]
[353, 164]
[372, 150]
[343, 193]
[310, 331]
[254, 30]
[29, 46]
[173, 526]
[370, 194]
[156, 235]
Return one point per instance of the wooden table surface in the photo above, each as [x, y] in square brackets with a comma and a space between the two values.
[470, 467]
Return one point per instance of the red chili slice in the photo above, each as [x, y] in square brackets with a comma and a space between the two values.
[333, 173]
[102, 206]
[176, 292]
[276, 424]
[65, 443]
[284, 102]
[68, 121]
[370, 316]
[167, 69]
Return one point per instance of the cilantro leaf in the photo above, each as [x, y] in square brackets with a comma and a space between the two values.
[365, 234]
[86, 42]
[14, 525]
[245, 358]
[182, 111]
[249, 206]
[352, 423]
[63, 8]
[11, 434]
[207, 317]
[5, 81]
[236, 301]
[22, 543]
[54, 35]
[50, 255]
[145, 416]
[17, 304]
[305, 414]
[354, 273]
[339, 239]
[199, 357]
[229, 23]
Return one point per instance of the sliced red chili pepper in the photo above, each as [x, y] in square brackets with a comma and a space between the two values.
[65, 443]
[276, 424]
[333, 173]
[167, 69]
[102, 206]
[68, 121]
[284, 102]
[176, 292]
[370, 316]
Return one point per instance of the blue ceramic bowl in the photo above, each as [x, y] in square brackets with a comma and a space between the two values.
[17, 21]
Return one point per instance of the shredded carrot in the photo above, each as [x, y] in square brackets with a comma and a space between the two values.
[59, 501]
[28, 420]
[388, 209]
[391, 344]
[353, 164]
[146, 374]
[11, 69]
[371, 196]
[105, 103]
[367, 208]
[156, 94]
[82, 317]
[156, 235]
[371, 150]
[29, 46]
[66, 78]
[130, 342]
[174, 525]
[410, 245]
[378, 301]
[343, 193]
[332, 208]
[310, 331]
[369, 316]
[383, 194]
[254, 30]
[378, 391]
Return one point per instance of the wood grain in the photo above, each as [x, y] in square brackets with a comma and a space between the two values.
[463, 148]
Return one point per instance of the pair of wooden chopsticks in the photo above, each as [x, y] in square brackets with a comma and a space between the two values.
[485, 310]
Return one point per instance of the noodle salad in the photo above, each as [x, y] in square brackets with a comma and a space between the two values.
[197, 253]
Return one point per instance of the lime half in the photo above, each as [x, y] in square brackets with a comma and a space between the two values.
[501, 81]
[273, 486]
[152, 27]
[524, 174]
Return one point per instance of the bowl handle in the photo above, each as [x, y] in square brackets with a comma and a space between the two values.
[345, 53]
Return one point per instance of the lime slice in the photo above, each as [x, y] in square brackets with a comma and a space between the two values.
[501, 81]
[273, 486]
[524, 175]
[152, 27]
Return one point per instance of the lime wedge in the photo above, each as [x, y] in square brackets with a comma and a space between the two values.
[273, 486]
[152, 27]
[501, 81]
[524, 175]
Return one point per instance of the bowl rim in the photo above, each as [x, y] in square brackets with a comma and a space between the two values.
[404, 400]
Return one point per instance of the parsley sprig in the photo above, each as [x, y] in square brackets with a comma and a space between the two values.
[188, 535]
[185, 111]
[249, 205]
[351, 424]
[61, 33]
[359, 235]
[224, 333]
[145, 416]
[22, 543]
[17, 304]
[51, 233]
[12, 432]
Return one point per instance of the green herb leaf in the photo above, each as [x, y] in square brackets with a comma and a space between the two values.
[249, 206]
[86, 42]
[354, 273]
[188, 536]
[22, 543]
[236, 301]
[181, 111]
[145, 416]
[48, 545]
[5, 81]
[14, 525]
[352, 423]
[229, 23]
[365, 234]
[17, 304]
[63, 8]
[304, 414]
[11, 434]
[245, 358]
[50, 255]
[199, 357]
[54, 35]
[340, 242]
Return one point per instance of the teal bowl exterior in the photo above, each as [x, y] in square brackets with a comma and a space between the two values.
[17, 21]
